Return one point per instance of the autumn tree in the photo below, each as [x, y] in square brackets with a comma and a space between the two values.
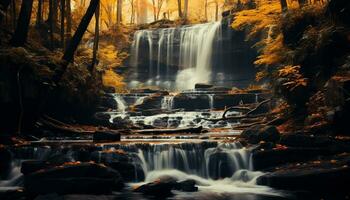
[96, 38]
[21, 32]
[63, 14]
[69, 22]
[78, 35]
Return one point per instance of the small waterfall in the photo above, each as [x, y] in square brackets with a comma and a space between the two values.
[211, 101]
[121, 105]
[167, 102]
[140, 100]
[195, 44]
[205, 159]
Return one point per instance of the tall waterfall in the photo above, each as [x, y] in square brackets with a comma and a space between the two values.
[186, 51]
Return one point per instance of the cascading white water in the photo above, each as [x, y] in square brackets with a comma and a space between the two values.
[215, 167]
[195, 44]
[167, 103]
[121, 105]
[211, 101]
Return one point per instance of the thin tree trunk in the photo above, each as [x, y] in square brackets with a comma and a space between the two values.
[51, 26]
[21, 32]
[132, 16]
[179, 7]
[154, 10]
[185, 14]
[14, 14]
[284, 5]
[206, 10]
[69, 22]
[54, 14]
[96, 39]
[78, 35]
[119, 11]
[4, 4]
[63, 6]
[39, 16]
[216, 11]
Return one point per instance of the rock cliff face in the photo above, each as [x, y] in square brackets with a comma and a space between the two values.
[212, 53]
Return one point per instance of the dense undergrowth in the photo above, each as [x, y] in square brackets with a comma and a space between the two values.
[303, 52]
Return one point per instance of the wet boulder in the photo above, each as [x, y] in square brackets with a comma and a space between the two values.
[108, 101]
[269, 158]
[199, 86]
[30, 166]
[5, 162]
[153, 101]
[128, 170]
[186, 186]
[106, 136]
[191, 102]
[304, 140]
[157, 188]
[120, 161]
[85, 178]
[102, 118]
[122, 123]
[258, 133]
[319, 177]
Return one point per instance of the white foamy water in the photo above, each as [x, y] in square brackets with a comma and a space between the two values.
[195, 53]
[121, 105]
[177, 119]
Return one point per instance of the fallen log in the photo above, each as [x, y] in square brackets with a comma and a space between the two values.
[170, 131]
[248, 115]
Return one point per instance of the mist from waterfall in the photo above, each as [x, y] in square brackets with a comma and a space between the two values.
[190, 60]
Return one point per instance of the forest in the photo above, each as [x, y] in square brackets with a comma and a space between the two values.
[174, 99]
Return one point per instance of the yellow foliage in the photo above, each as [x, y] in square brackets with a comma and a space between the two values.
[293, 76]
[112, 79]
[265, 15]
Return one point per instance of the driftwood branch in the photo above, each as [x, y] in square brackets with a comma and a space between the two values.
[63, 127]
[248, 115]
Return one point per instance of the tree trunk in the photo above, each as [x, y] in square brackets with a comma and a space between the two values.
[132, 16]
[96, 39]
[78, 35]
[63, 12]
[51, 25]
[302, 3]
[21, 32]
[119, 11]
[154, 10]
[69, 22]
[4, 4]
[39, 16]
[206, 10]
[185, 14]
[216, 11]
[14, 14]
[284, 5]
[179, 7]
[53, 14]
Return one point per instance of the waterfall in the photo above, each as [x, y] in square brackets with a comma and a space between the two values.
[167, 102]
[195, 44]
[205, 159]
[121, 105]
[140, 100]
[211, 101]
